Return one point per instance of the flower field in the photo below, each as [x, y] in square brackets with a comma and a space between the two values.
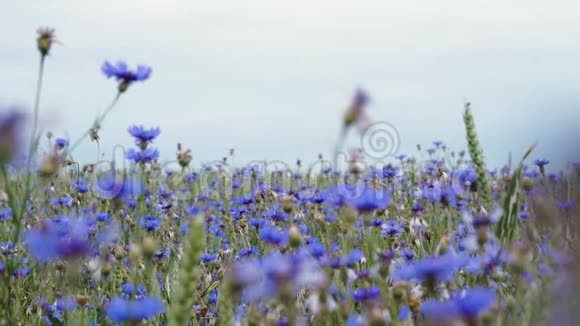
[434, 237]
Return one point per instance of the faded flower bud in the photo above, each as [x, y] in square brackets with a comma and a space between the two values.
[49, 166]
[295, 237]
[94, 134]
[148, 247]
[45, 39]
[184, 158]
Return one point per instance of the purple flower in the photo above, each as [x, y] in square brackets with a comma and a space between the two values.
[146, 156]
[151, 223]
[80, 185]
[566, 205]
[469, 304]
[366, 294]
[205, 258]
[404, 313]
[142, 135]
[128, 288]
[392, 229]
[316, 249]
[67, 238]
[371, 199]
[121, 310]
[390, 172]
[482, 220]
[10, 124]
[438, 143]
[124, 75]
[277, 214]
[5, 214]
[102, 217]
[360, 98]
[270, 234]
[432, 268]
[113, 185]
[61, 143]
[541, 162]
[355, 256]
[268, 276]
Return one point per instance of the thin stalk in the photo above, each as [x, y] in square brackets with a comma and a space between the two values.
[97, 123]
[37, 103]
[33, 143]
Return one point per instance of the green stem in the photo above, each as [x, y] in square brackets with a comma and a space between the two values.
[37, 104]
[97, 123]
[17, 213]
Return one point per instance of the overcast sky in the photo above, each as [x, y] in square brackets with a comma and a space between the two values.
[272, 78]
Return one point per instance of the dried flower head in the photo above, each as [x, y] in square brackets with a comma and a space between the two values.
[45, 39]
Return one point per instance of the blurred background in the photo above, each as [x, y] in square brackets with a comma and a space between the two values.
[272, 79]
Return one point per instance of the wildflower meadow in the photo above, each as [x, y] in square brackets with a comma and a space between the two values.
[433, 237]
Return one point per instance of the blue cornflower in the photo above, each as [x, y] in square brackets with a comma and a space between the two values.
[356, 320]
[418, 208]
[270, 234]
[162, 254]
[5, 214]
[390, 172]
[266, 277]
[355, 256]
[113, 185]
[66, 304]
[205, 257]
[6, 248]
[489, 261]
[541, 162]
[360, 97]
[142, 135]
[61, 143]
[484, 220]
[67, 238]
[319, 197]
[151, 222]
[124, 75]
[121, 310]
[469, 305]
[63, 201]
[566, 205]
[366, 294]
[438, 143]
[141, 292]
[102, 217]
[245, 252]
[128, 289]
[438, 192]
[277, 214]
[432, 268]
[146, 156]
[80, 186]
[371, 199]
[404, 313]
[316, 249]
[392, 229]
[10, 124]
[408, 254]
